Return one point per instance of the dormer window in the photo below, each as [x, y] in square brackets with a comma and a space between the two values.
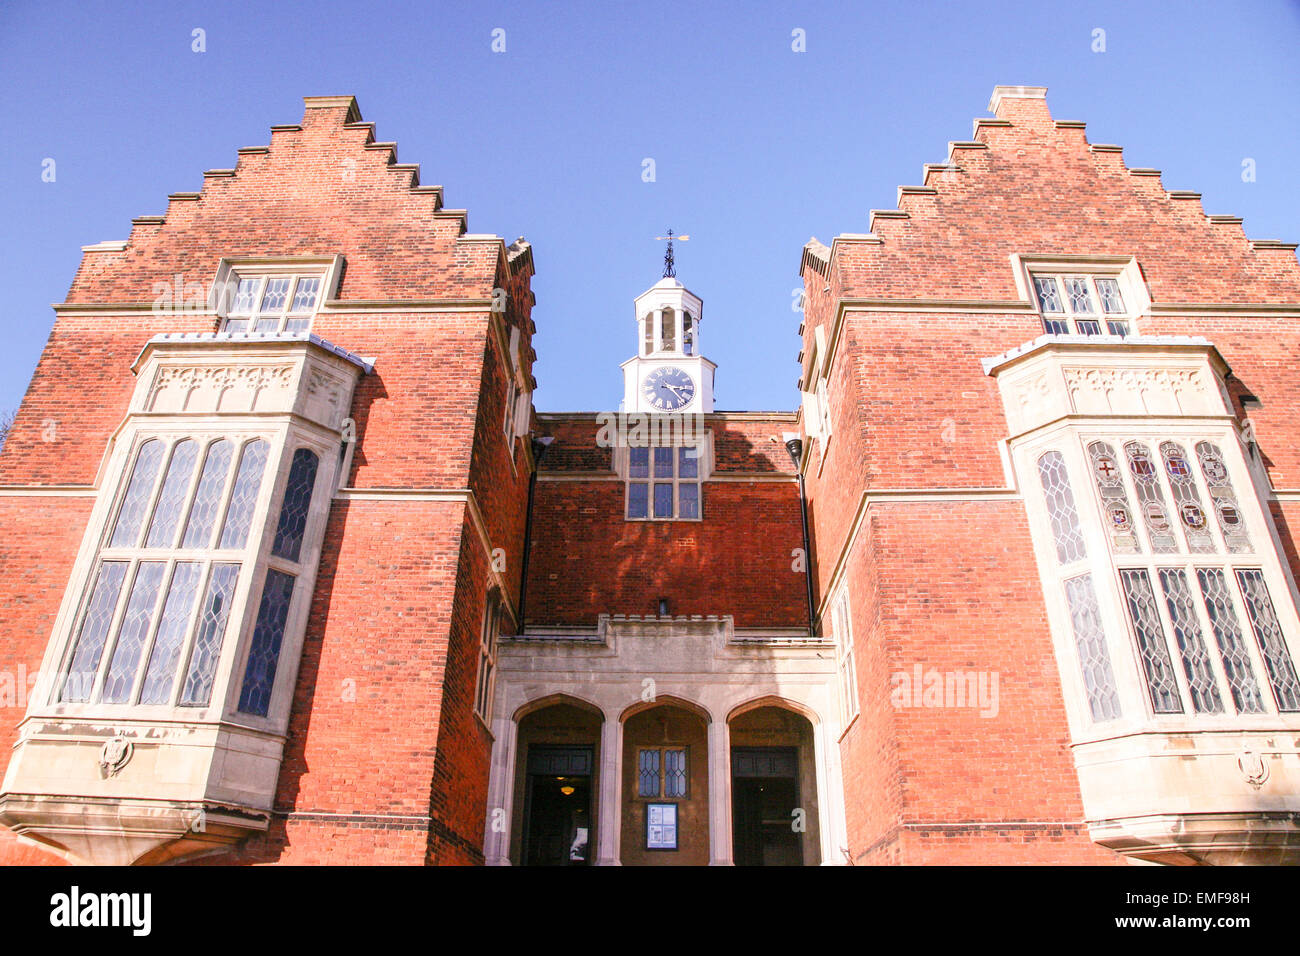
[1081, 304]
[274, 303]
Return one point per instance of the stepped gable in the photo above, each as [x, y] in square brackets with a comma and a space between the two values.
[1023, 173]
[324, 186]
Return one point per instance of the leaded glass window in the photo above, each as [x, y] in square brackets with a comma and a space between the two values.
[1068, 304]
[1272, 644]
[95, 624]
[663, 483]
[154, 621]
[213, 614]
[1151, 497]
[274, 303]
[1060, 508]
[648, 773]
[248, 481]
[1117, 513]
[1232, 649]
[662, 772]
[1201, 682]
[1154, 652]
[264, 651]
[175, 491]
[163, 661]
[139, 492]
[1090, 643]
[132, 633]
[674, 773]
[1187, 498]
[1231, 522]
[210, 495]
[296, 505]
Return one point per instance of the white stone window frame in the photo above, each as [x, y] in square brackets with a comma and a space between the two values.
[1260, 557]
[518, 397]
[818, 418]
[845, 662]
[254, 558]
[328, 269]
[1123, 269]
[704, 468]
[489, 642]
[1071, 439]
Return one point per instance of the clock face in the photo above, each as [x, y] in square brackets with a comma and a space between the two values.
[668, 388]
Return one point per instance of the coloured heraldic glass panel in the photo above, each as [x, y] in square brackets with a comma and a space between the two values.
[1151, 498]
[1116, 510]
[1223, 498]
[1187, 499]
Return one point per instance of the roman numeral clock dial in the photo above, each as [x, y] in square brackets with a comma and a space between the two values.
[668, 388]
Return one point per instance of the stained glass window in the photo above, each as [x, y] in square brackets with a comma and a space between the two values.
[1187, 499]
[662, 772]
[1117, 513]
[1151, 498]
[296, 505]
[1060, 508]
[1090, 642]
[1153, 650]
[1228, 513]
[264, 652]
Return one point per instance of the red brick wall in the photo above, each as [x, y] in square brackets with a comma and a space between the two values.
[384, 760]
[951, 584]
[587, 560]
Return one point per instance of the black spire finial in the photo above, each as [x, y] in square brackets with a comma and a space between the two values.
[670, 270]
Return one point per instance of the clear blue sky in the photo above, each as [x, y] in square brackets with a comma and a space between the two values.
[757, 147]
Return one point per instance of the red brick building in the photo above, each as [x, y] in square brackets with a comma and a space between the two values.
[294, 573]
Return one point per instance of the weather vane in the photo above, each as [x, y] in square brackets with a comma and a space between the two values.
[670, 270]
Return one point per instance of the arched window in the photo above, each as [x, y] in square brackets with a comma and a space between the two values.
[649, 322]
[668, 330]
[688, 333]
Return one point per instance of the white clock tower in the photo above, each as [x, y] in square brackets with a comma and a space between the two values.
[668, 373]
